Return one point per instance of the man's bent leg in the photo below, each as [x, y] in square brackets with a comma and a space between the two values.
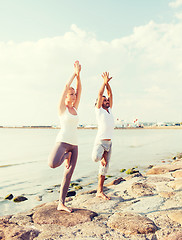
[104, 159]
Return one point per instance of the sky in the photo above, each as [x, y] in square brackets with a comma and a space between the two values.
[137, 42]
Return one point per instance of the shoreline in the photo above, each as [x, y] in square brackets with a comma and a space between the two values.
[151, 201]
[85, 128]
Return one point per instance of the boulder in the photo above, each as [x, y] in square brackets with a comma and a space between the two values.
[177, 174]
[19, 199]
[176, 216]
[142, 189]
[115, 182]
[177, 184]
[167, 194]
[72, 184]
[71, 194]
[9, 196]
[179, 155]
[48, 214]
[131, 223]
[78, 187]
[138, 174]
[164, 169]
[131, 171]
[13, 231]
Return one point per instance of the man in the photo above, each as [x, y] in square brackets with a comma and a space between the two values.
[103, 143]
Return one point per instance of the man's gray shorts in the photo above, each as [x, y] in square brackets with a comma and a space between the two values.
[97, 154]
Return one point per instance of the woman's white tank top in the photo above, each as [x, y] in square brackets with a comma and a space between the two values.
[68, 132]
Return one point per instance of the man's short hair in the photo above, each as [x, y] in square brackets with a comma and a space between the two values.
[97, 100]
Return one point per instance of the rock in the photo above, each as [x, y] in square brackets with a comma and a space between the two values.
[57, 185]
[131, 223]
[79, 180]
[115, 182]
[108, 176]
[122, 170]
[138, 174]
[179, 155]
[71, 193]
[13, 231]
[9, 197]
[176, 216]
[48, 214]
[20, 199]
[142, 189]
[38, 198]
[78, 187]
[150, 166]
[177, 174]
[177, 184]
[90, 191]
[131, 171]
[49, 190]
[73, 184]
[167, 194]
[164, 169]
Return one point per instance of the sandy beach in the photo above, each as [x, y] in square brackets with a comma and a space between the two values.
[142, 206]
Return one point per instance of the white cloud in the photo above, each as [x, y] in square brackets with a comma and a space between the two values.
[175, 4]
[146, 68]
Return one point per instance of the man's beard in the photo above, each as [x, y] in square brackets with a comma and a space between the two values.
[106, 105]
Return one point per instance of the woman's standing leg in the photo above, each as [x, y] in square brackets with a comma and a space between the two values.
[67, 178]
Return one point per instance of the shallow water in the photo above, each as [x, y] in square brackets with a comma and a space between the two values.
[24, 153]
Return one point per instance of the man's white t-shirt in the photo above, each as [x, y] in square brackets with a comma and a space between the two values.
[105, 122]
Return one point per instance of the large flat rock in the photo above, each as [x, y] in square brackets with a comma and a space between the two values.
[131, 223]
[9, 230]
[142, 189]
[177, 184]
[164, 169]
[48, 214]
[177, 174]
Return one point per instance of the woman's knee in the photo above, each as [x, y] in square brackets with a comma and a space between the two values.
[51, 163]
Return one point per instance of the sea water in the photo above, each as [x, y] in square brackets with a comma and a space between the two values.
[24, 153]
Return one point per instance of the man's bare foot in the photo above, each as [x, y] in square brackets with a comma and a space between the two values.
[62, 207]
[102, 195]
[67, 160]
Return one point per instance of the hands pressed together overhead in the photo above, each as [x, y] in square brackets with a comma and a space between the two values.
[77, 67]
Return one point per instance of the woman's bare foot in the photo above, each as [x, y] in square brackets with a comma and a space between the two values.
[67, 160]
[62, 207]
[102, 195]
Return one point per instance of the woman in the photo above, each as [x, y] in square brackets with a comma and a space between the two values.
[66, 149]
